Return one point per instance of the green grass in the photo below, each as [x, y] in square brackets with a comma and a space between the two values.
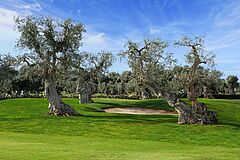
[26, 132]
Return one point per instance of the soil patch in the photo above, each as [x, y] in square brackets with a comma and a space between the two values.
[138, 110]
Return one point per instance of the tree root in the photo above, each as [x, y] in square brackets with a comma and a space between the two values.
[194, 115]
[63, 110]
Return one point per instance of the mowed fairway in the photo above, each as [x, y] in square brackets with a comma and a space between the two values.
[26, 132]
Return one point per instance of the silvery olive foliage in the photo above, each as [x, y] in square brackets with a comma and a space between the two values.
[48, 43]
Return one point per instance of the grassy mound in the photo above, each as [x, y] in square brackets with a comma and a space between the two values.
[26, 132]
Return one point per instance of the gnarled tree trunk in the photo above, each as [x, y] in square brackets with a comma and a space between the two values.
[192, 114]
[56, 105]
[85, 94]
[197, 113]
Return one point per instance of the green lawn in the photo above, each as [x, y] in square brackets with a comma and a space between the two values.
[26, 132]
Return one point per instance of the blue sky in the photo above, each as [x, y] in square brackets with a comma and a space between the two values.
[110, 23]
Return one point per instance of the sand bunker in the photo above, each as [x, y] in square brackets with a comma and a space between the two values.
[135, 110]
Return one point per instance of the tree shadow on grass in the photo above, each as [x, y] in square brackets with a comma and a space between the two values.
[14, 119]
[135, 118]
[143, 118]
[153, 104]
[237, 125]
[90, 109]
[112, 104]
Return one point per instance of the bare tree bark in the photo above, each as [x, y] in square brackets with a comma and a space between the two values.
[85, 94]
[191, 114]
[56, 105]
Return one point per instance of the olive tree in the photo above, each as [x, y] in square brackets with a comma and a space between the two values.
[232, 82]
[191, 79]
[88, 69]
[7, 73]
[144, 60]
[125, 78]
[28, 80]
[211, 82]
[51, 43]
[195, 57]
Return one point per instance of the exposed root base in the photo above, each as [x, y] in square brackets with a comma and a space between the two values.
[86, 101]
[64, 110]
[194, 115]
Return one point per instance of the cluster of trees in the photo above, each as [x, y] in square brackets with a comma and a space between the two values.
[25, 81]
[53, 63]
[17, 82]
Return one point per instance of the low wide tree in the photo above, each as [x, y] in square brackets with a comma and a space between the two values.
[51, 43]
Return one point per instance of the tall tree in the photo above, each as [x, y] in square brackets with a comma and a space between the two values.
[190, 78]
[89, 68]
[143, 61]
[28, 80]
[232, 82]
[51, 44]
[195, 57]
[125, 78]
[211, 82]
[7, 73]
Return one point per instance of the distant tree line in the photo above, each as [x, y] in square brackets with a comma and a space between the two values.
[25, 81]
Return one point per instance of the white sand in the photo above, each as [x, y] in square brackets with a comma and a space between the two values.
[135, 110]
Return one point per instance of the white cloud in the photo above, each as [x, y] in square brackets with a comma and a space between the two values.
[224, 39]
[229, 16]
[171, 30]
[6, 19]
[7, 34]
[95, 39]
[27, 8]
[7, 15]
[34, 6]
[98, 41]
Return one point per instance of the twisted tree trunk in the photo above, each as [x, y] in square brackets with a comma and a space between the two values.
[56, 105]
[192, 114]
[197, 113]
